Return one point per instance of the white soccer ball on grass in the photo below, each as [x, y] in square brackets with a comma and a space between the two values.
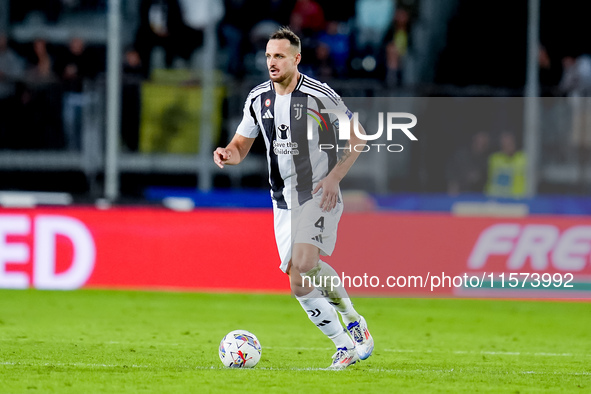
[240, 349]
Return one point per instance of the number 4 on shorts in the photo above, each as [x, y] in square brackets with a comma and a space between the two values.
[320, 223]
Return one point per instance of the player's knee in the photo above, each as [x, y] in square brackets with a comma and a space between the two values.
[298, 286]
[305, 264]
[295, 281]
[305, 257]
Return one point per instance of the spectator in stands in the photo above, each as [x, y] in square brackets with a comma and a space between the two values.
[161, 25]
[467, 170]
[506, 170]
[396, 44]
[234, 31]
[12, 68]
[40, 102]
[40, 71]
[576, 85]
[307, 21]
[550, 71]
[75, 67]
[576, 77]
[35, 118]
[197, 15]
[372, 18]
[338, 44]
[321, 66]
[132, 64]
[308, 18]
[131, 103]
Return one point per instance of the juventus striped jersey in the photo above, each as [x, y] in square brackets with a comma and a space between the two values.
[295, 163]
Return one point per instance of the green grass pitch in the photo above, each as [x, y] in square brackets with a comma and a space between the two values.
[95, 341]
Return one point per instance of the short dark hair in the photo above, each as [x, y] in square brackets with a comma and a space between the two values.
[285, 33]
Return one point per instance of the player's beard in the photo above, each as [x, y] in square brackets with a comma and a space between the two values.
[282, 76]
[277, 79]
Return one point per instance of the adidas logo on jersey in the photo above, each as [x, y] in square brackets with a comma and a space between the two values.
[268, 115]
[317, 238]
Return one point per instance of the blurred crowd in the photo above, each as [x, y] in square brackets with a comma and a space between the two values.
[494, 167]
[355, 38]
[41, 93]
[44, 85]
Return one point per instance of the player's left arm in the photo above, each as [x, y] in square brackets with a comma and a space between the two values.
[330, 184]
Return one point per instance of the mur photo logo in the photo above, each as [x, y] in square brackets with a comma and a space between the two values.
[343, 129]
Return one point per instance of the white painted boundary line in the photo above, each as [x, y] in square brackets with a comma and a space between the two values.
[378, 370]
[494, 353]
[470, 352]
[497, 353]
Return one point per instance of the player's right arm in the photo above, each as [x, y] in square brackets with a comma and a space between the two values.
[242, 141]
[234, 153]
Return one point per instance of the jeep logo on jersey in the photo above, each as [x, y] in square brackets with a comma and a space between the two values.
[283, 131]
[343, 124]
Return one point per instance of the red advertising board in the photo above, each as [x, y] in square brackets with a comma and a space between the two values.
[139, 248]
[379, 253]
[444, 255]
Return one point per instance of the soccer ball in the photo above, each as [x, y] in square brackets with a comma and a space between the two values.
[240, 349]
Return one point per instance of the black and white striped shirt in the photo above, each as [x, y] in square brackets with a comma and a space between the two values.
[295, 163]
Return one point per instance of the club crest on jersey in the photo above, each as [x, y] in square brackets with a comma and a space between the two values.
[298, 108]
[283, 132]
[268, 102]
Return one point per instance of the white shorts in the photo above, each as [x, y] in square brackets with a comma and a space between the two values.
[306, 224]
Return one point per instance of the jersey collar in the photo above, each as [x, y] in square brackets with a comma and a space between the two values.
[302, 76]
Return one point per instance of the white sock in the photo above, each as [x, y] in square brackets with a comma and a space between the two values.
[321, 277]
[323, 315]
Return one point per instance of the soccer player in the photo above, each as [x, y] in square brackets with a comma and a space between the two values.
[307, 202]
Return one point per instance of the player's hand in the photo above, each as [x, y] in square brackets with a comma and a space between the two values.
[221, 156]
[330, 193]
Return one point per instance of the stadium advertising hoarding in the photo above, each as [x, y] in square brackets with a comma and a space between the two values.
[444, 255]
[137, 248]
[377, 254]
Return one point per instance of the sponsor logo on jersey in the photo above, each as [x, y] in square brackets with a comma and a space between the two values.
[283, 131]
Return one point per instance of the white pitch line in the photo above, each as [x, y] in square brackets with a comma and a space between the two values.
[352, 369]
[297, 348]
[74, 365]
[492, 353]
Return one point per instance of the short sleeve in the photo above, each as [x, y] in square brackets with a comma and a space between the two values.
[248, 127]
[334, 101]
